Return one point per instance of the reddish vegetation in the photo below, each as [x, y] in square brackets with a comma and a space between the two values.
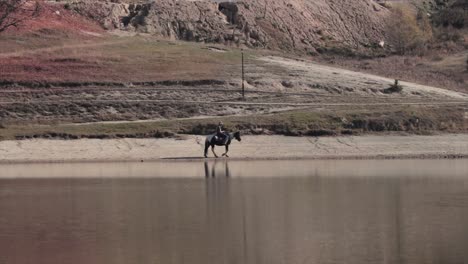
[109, 59]
[55, 16]
[51, 70]
[53, 26]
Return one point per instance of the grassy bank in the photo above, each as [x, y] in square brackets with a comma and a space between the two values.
[411, 119]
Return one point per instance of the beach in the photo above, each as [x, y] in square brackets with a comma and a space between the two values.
[251, 147]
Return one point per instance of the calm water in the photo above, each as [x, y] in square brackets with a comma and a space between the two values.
[259, 212]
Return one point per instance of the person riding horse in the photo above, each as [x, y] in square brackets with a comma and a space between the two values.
[220, 134]
[220, 138]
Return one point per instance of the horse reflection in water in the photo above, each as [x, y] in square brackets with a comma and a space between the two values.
[225, 215]
[215, 170]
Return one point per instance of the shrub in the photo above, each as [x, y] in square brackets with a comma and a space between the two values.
[449, 34]
[320, 133]
[394, 88]
[456, 17]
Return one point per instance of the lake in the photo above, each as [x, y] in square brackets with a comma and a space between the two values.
[259, 212]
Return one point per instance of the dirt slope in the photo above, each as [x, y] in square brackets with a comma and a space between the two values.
[301, 25]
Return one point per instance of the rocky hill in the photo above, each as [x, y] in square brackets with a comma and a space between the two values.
[300, 25]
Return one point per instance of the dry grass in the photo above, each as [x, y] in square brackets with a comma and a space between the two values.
[447, 72]
[121, 59]
[420, 120]
[113, 62]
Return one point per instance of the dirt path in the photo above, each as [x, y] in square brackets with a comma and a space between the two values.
[442, 103]
[252, 147]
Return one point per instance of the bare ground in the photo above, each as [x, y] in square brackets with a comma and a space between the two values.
[252, 147]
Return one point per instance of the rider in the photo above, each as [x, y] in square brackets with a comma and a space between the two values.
[220, 132]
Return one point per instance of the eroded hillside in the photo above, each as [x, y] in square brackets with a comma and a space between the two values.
[299, 25]
[61, 68]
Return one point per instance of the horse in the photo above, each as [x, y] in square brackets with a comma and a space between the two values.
[212, 140]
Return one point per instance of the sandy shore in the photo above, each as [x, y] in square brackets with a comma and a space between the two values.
[252, 147]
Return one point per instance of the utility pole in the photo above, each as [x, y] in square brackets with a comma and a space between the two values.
[243, 87]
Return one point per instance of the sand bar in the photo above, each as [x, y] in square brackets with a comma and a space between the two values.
[251, 147]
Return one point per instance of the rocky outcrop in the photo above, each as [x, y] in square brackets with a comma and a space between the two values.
[191, 21]
[108, 15]
[306, 25]
[275, 24]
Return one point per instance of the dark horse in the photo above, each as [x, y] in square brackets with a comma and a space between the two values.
[213, 141]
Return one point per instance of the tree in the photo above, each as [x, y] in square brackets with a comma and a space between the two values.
[407, 31]
[14, 12]
[454, 15]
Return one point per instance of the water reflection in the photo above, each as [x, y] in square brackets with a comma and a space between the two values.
[321, 218]
[214, 172]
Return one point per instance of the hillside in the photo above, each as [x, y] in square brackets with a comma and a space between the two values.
[298, 25]
[138, 79]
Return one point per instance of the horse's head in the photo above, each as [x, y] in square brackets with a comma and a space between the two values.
[237, 136]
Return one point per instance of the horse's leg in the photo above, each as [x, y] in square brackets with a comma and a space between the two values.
[207, 146]
[212, 149]
[226, 153]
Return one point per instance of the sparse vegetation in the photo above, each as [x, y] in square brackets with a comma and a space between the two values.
[50, 80]
[293, 123]
[14, 12]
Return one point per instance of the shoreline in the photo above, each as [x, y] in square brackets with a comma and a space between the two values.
[190, 149]
[179, 160]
